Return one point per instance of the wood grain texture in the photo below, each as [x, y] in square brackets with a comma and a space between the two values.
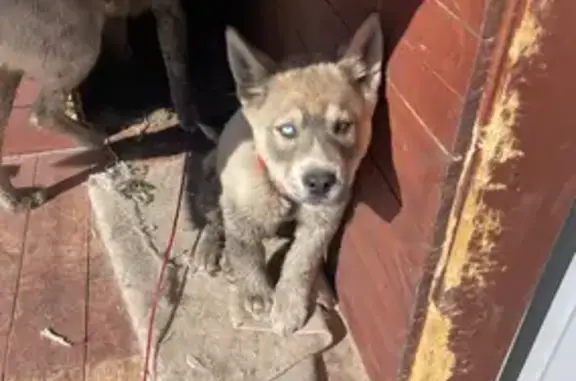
[54, 275]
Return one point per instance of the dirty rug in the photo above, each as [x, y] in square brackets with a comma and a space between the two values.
[194, 335]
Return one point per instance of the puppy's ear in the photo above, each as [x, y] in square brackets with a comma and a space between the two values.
[362, 59]
[250, 67]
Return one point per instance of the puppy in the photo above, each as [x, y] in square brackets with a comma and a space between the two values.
[290, 154]
[57, 43]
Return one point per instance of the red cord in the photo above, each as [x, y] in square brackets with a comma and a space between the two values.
[166, 259]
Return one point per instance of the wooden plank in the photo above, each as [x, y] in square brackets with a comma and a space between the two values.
[53, 280]
[516, 191]
[12, 235]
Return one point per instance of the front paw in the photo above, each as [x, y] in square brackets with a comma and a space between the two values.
[207, 256]
[289, 311]
[25, 200]
[227, 270]
[257, 300]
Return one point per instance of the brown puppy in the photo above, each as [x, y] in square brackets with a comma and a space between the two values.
[290, 154]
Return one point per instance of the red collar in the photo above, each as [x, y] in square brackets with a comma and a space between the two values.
[260, 163]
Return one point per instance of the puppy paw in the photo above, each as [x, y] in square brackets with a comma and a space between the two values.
[289, 311]
[227, 270]
[257, 300]
[206, 258]
[26, 199]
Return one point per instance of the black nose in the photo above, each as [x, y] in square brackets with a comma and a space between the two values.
[319, 182]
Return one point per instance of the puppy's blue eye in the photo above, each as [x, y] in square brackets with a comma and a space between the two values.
[287, 131]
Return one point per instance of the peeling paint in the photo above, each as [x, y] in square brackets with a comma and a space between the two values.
[494, 145]
[528, 37]
[435, 363]
[473, 230]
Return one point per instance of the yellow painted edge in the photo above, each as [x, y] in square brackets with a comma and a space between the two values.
[493, 145]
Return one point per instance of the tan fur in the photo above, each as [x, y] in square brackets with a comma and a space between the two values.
[308, 175]
[57, 43]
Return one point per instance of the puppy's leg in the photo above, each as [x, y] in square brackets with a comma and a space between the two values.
[171, 29]
[209, 256]
[244, 253]
[207, 216]
[11, 199]
[209, 250]
[293, 294]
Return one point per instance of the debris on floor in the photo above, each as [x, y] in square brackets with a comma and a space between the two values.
[50, 334]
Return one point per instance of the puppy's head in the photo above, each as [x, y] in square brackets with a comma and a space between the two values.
[311, 123]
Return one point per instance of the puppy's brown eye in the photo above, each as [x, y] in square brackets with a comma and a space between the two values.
[342, 127]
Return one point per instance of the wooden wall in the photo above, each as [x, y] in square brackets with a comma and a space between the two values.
[388, 242]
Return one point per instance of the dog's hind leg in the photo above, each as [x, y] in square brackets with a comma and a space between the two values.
[11, 199]
[172, 32]
[50, 113]
[49, 109]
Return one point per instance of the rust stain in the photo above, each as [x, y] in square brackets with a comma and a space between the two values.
[473, 230]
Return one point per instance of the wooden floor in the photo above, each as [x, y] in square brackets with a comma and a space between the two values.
[54, 274]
